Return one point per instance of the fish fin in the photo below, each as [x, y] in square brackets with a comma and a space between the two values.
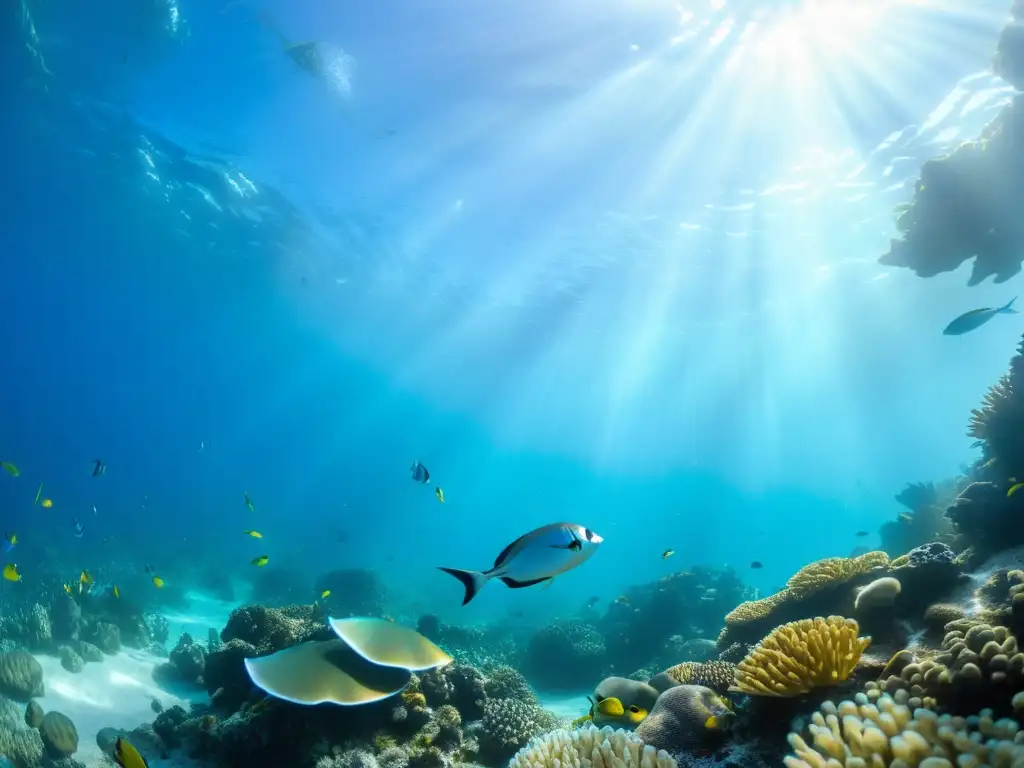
[473, 581]
[513, 584]
[1008, 309]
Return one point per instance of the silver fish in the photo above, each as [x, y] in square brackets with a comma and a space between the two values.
[537, 556]
[976, 318]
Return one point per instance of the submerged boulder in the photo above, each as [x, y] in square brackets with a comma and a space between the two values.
[21, 676]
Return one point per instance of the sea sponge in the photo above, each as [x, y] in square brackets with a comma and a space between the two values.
[888, 734]
[686, 717]
[800, 656]
[716, 675]
[834, 570]
[589, 747]
[880, 592]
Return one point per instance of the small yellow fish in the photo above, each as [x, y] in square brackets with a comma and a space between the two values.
[117, 592]
[85, 578]
[12, 538]
[439, 493]
[47, 503]
[1014, 488]
[127, 756]
[67, 588]
[11, 572]
[254, 534]
[260, 561]
[39, 493]
[248, 502]
[9, 468]
[325, 594]
[667, 554]
[158, 582]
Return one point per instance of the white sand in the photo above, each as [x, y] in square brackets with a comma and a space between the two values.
[115, 693]
[568, 706]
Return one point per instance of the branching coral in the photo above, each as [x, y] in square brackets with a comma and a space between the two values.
[832, 571]
[716, 675]
[888, 734]
[801, 656]
[589, 747]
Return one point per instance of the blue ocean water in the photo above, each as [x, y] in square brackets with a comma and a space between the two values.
[611, 263]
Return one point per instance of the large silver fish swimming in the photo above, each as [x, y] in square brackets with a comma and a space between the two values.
[976, 318]
[537, 556]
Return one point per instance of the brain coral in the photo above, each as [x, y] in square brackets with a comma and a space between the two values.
[685, 717]
[800, 656]
[857, 734]
[589, 747]
[716, 675]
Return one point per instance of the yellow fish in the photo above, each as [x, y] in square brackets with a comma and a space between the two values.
[9, 468]
[12, 539]
[260, 561]
[325, 594]
[667, 554]
[117, 592]
[47, 503]
[39, 493]
[67, 588]
[128, 756]
[85, 578]
[158, 582]
[254, 534]
[1015, 487]
[11, 572]
[439, 493]
[248, 502]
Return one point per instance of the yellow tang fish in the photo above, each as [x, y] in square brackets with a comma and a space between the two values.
[1014, 488]
[11, 572]
[47, 503]
[128, 756]
[117, 592]
[10, 469]
[325, 594]
[254, 534]
[85, 578]
[260, 561]
[158, 582]
[439, 493]
[67, 588]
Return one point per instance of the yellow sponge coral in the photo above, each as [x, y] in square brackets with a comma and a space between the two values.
[857, 734]
[834, 570]
[800, 656]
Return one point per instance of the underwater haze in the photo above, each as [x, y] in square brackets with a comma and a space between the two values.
[621, 264]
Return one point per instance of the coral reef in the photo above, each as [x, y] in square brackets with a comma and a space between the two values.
[686, 717]
[717, 675]
[563, 653]
[507, 725]
[589, 747]
[801, 656]
[925, 519]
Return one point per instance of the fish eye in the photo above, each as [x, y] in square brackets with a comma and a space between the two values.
[599, 699]
[589, 534]
[634, 709]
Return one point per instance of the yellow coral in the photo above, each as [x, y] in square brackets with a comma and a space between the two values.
[716, 675]
[753, 610]
[414, 699]
[800, 656]
[888, 734]
[834, 570]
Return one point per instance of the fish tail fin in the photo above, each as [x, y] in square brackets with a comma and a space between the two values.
[1008, 309]
[473, 581]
